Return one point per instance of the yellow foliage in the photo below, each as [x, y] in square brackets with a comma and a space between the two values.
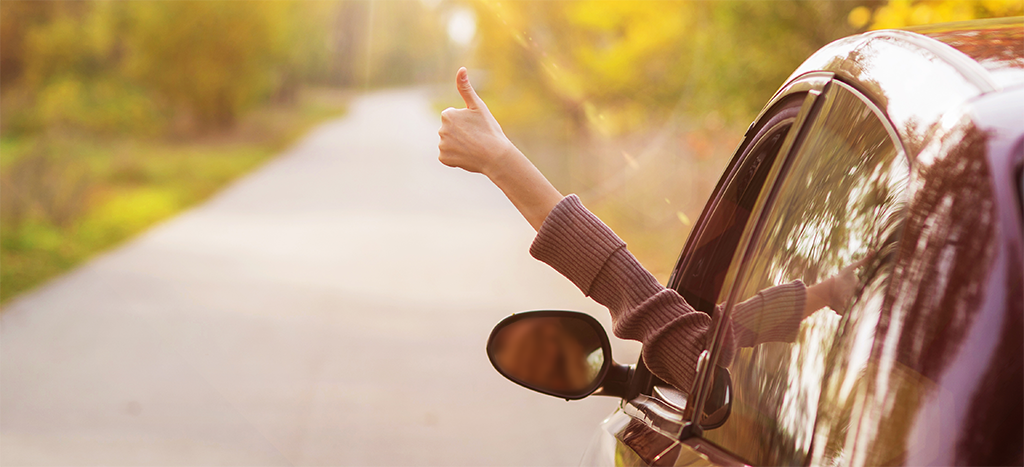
[904, 13]
[612, 67]
[105, 66]
[859, 16]
[131, 211]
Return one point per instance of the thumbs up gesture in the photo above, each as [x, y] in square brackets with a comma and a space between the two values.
[471, 138]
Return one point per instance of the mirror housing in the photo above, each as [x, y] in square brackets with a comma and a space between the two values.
[564, 354]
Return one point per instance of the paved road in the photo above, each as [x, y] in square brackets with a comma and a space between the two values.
[329, 309]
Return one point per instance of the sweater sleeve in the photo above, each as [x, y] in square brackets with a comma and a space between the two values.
[773, 315]
[583, 249]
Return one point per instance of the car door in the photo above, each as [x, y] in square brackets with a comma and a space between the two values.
[836, 199]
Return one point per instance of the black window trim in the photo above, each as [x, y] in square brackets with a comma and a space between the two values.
[813, 81]
[808, 112]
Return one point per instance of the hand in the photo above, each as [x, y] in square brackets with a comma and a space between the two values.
[842, 286]
[471, 138]
[836, 291]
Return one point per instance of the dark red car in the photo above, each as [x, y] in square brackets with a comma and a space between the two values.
[899, 150]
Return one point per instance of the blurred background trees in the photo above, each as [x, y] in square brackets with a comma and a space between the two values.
[116, 114]
[107, 66]
[637, 106]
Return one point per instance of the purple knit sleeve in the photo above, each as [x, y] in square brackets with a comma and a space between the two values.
[582, 248]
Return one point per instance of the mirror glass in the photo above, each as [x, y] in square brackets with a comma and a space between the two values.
[560, 355]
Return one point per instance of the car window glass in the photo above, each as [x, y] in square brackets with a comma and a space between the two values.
[837, 204]
[699, 276]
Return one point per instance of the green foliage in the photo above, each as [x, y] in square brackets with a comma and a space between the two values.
[107, 67]
[67, 197]
[92, 91]
[173, 50]
[214, 58]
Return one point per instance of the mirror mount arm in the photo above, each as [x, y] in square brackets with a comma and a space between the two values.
[641, 381]
[616, 382]
[690, 430]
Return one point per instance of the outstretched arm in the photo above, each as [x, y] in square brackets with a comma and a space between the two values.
[471, 139]
[836, 291]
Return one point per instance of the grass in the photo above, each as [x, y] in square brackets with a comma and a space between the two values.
[66, 198]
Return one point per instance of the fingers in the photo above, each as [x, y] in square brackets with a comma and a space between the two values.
[466, 90]
[865, 260]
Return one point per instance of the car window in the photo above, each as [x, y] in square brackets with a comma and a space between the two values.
[838, 201]
[701, 269]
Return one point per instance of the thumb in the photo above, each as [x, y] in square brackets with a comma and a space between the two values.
[472, 100]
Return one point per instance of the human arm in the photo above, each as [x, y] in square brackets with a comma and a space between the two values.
[583, 249]
[835, 291]
[471, 139]
[775, 313]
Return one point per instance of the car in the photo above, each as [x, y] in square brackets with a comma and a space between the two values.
[898, 150]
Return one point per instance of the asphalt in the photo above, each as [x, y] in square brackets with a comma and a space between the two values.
[331, 308]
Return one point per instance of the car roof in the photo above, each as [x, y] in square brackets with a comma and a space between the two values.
[921, 77]
[997, 45]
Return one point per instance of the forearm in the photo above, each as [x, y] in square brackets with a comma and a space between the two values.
[525, 186]
[773, 315]
[579, 246]
[817, 297]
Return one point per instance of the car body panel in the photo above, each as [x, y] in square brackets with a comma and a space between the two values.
[645, 431]
[1000, 50]
[949, 348]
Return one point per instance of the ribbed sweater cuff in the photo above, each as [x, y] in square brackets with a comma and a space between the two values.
[773, 315]
[672, 353]
[575, 242]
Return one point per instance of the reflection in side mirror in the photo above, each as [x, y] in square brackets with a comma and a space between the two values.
[561, 353]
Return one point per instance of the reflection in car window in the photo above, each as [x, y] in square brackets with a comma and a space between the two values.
[700, 280]
[838, 203]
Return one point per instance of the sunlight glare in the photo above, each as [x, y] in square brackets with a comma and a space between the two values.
[462, 26]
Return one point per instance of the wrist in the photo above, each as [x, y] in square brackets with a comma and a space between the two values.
[503, 165]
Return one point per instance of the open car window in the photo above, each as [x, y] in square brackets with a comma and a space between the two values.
[699, 275]
[838, 202]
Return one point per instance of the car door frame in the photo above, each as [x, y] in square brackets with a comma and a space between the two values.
[671, 419]
[753, 232]
[811, 85]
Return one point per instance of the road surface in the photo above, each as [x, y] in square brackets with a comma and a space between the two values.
[329, 309]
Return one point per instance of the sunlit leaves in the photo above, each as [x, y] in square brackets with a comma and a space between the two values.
[616, 66]
[903, 13]
[127, 67]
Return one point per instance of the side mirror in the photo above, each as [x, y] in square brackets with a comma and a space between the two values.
[560, 353]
